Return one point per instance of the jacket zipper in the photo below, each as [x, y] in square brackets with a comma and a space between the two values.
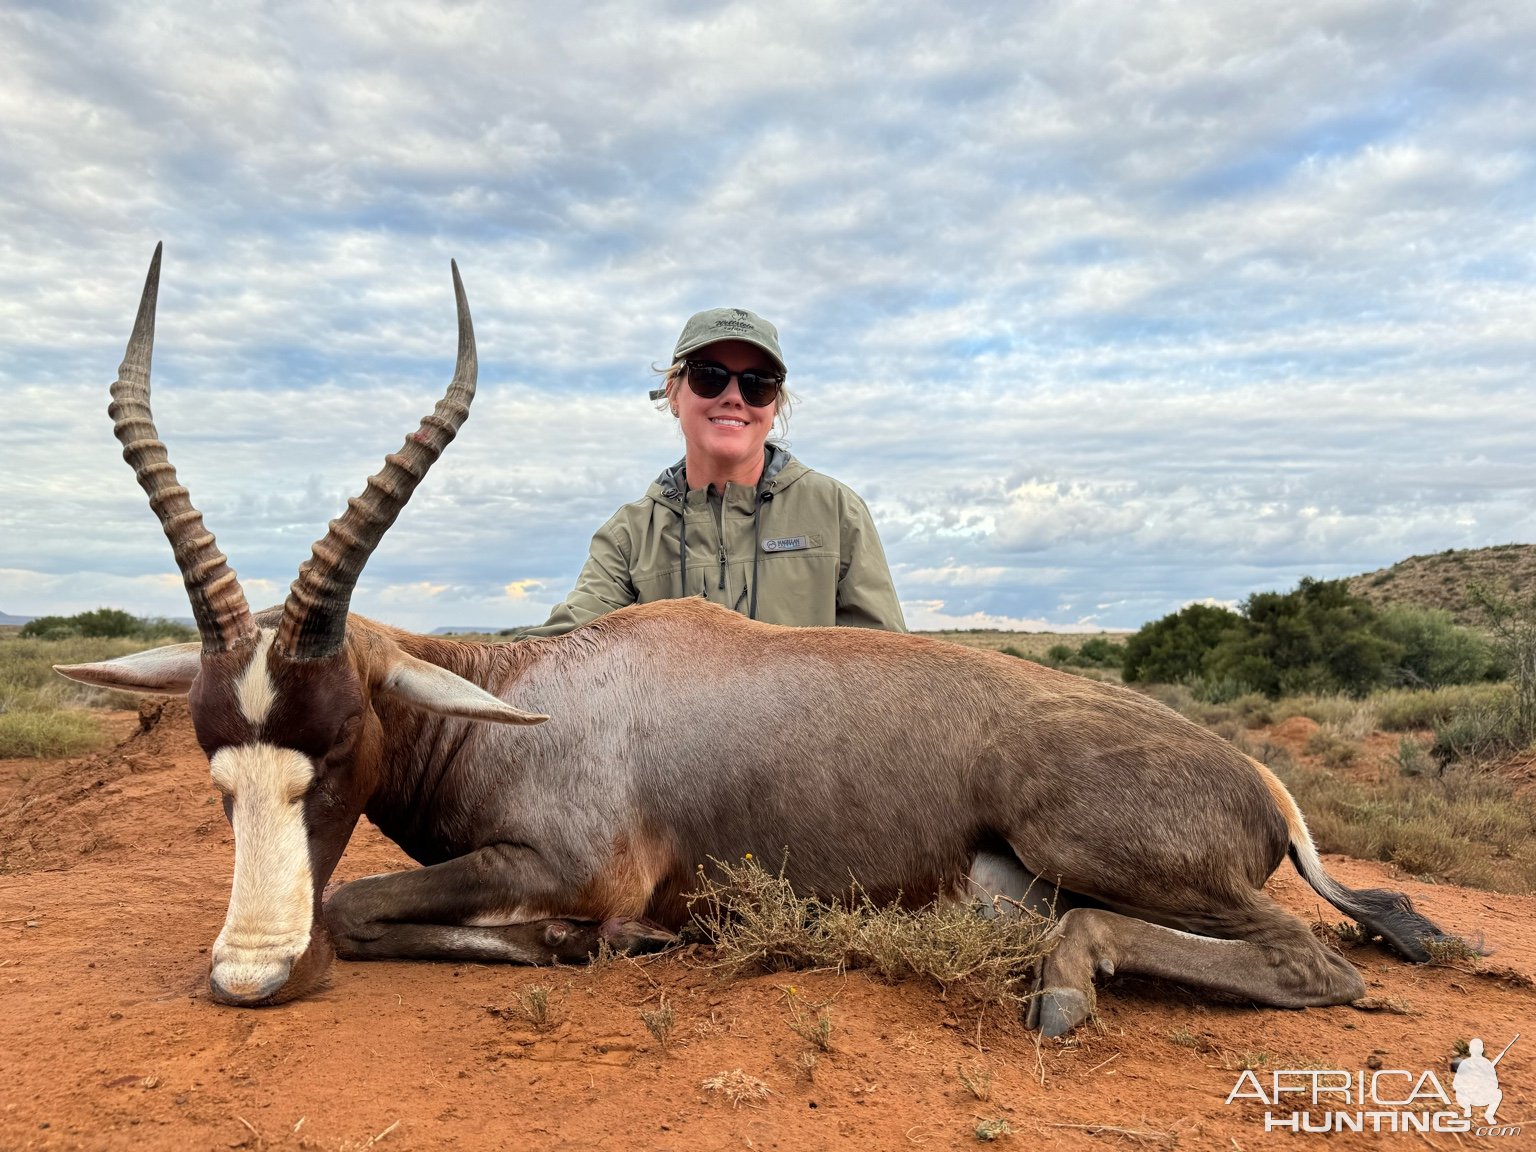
[722, 567]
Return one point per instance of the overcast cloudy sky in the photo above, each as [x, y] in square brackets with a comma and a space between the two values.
[1103, 307]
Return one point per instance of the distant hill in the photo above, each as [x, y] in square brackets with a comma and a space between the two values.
[1441, 579]
[7, 620]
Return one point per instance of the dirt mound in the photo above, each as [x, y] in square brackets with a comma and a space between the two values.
[112, 1042]
[56, 815]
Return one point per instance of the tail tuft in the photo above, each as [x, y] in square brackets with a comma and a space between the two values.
[1380, 911]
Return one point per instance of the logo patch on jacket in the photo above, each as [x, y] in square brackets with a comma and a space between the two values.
[788, 543]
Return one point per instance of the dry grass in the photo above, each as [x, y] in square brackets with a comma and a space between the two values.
[533, 1001]
[755, 921]
[28, 682]
[1465, 826]
[1402, 710]
[810, 1022]
[659, 1022]
[738, 1087]
[48, 735]
[977, 1080]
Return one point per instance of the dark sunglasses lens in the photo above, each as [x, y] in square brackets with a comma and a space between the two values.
[708, 380]
[758, 391]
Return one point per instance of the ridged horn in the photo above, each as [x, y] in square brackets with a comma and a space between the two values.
[218, 602]
[315, 614]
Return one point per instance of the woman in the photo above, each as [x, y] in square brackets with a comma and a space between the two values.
[737, 520]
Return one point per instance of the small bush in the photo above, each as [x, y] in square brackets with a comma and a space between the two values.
[1477, 734]
[1335, 750]
[1412, 759]
[659, 1022]
[756, 921]
[1512, 620]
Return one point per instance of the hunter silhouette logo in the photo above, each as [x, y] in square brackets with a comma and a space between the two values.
[1477, 1083]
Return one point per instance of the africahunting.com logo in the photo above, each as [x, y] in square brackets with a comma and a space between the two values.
[1381, 1099]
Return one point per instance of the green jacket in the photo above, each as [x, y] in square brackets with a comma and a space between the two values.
[804, 541]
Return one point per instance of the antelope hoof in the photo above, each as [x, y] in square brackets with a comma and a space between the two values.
[633, 934]
[1057, 1011]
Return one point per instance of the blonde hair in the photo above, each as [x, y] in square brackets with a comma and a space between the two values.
[672, 380]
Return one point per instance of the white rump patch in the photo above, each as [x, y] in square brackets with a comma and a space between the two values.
[255, 691]
[271, 902]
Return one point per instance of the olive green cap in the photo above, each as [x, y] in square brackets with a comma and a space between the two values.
[728, 324]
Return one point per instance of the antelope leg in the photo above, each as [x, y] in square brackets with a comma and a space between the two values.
[492, 905]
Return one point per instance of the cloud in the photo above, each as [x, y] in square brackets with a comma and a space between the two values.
[1103, 311]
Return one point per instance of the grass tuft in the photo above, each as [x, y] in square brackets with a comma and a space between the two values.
[811, 1023]
[992, 1128]
[659, 1021]
[534, 1003]
[738, 1087]
[755, 921]
[977, 1080]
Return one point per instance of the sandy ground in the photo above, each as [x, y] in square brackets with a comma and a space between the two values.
[114, 871]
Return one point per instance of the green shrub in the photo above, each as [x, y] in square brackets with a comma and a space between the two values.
[1060, 654]
[1476, 734]
[1319, 637]
[1176, 647]
[1436, 651]
[106, 624]
[1101, 652]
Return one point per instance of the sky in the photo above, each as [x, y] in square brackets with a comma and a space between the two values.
[1103, 308]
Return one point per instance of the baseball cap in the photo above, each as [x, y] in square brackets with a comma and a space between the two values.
[728, 324]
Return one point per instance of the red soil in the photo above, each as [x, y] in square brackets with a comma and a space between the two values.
[113, 875]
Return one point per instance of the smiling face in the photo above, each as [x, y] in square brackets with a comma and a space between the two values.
[725, 436]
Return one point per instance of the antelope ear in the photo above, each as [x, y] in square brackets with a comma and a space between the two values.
[167, 671]
[439, 690]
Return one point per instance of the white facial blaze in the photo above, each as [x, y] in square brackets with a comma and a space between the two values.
[255, 691]
[271, 901]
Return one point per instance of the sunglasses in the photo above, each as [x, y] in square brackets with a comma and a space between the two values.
[707, 380]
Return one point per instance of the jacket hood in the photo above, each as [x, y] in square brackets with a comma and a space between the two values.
[780, 470]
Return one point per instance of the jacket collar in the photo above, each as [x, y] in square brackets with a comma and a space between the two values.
[780, 470]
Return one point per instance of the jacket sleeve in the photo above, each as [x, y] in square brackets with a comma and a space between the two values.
[603, 586]
[866, 596]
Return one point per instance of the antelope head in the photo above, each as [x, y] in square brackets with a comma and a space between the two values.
[283, 712]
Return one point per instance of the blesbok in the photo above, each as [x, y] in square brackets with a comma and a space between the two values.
[564, 790]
